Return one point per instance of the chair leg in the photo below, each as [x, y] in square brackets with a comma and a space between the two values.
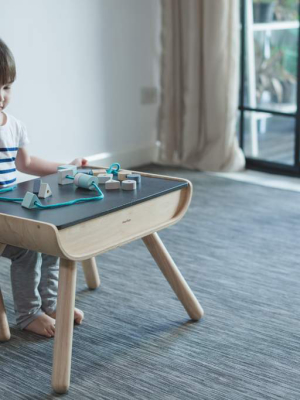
[62, 354]
[4, 327]
[173, 275]
[91, 273]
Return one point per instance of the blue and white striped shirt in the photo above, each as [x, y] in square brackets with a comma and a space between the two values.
[13, 135]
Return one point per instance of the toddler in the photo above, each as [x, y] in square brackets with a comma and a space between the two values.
[34, 276]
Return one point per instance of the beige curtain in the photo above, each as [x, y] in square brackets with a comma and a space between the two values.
[199, 82]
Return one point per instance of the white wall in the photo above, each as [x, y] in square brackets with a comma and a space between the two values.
[81, 65]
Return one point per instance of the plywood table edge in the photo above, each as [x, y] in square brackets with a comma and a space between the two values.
[18, 231]
[180, 208]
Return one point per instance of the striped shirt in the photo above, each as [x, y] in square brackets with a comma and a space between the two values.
[13, 135]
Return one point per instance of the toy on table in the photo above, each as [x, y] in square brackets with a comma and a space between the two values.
[44, 191]
[134, 177]
[66, 175]
[36, 186]
[41, 189]
[122, 175]
[114, 169]
[102, 178]
[128, 184]
[112, 184]
[86, 181]
[112, 177]
[118, 177]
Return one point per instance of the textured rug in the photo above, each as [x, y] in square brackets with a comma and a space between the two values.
[237, 247]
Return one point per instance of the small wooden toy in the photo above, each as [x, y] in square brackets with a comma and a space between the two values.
[36, 186]
[29, 200]
[102, 178]
[44, 191]
[112, 185]
[62, 176]
[128, 185]
[85, 181]
[122, 175]
[135, 177]
[96, 172]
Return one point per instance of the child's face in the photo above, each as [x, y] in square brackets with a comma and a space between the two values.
[5, 94]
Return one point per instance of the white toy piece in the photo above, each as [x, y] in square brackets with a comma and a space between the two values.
[128, 185]
[44, 191]
[112, 185]
[29, 200]
[102, 178]
[62, 173]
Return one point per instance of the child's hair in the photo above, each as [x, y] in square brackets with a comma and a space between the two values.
[7, 65]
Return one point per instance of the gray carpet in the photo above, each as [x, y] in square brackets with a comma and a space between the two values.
[238, 249]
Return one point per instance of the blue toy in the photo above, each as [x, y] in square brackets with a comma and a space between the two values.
[134, 177]
[113, 169]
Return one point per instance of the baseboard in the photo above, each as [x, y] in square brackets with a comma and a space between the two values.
[127, 158]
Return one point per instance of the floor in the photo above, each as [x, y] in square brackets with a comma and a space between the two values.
[273, 146]
[275, 143]
[264, 179]
[236, 249]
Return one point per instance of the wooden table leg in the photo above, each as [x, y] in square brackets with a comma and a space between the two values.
[173, 275]
[4, 327]
[64, 326]
[91, 273]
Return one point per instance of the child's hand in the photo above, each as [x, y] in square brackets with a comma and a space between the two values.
[79, 162]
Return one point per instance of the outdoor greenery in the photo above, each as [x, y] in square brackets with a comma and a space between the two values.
[277, 56]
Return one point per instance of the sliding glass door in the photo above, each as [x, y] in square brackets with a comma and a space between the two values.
[269, 94]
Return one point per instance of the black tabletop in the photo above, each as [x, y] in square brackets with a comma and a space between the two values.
[63, 217]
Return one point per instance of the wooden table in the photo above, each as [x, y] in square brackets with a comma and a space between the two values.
[82, 231]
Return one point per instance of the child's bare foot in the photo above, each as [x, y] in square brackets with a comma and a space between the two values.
[42, 325]
[78, 316]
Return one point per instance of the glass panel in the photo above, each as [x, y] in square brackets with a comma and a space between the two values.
[269, 137]
[276, 69]
[275, 10]
[271, 55]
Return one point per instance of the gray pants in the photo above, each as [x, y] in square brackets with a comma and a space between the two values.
[34, 281]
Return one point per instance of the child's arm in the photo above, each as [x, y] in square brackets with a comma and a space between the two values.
[36, 166]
